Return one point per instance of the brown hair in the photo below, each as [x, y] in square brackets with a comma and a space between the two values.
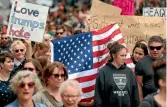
[159, 68]
[114, 48]
[43, 60]
[36, 64]
[49, 70]
[5, 55]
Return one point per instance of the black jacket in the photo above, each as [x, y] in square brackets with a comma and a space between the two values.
[116, 87]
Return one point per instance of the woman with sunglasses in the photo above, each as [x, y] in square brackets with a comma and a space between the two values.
[6, 64]
[34, 66]
[25, 84]
[54, 74]
[21, 52]
[157, 99]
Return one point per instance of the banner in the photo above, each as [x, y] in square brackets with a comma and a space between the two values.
[133, 28]
[127, 6]
[101, 8]
[27, 21]
[155, 12]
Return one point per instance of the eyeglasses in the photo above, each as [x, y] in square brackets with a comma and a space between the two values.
[30, 69]
[70, 96]
[4, 38]
[155, 47]
[59, 33]
[30, 84]
[59, 75]
[17, 50]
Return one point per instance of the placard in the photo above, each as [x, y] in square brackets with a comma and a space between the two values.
[27, 21]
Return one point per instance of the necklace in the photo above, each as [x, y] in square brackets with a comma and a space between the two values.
[2, 77]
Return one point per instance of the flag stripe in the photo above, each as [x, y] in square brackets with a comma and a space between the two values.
[106, 39]
[86, 78]
[88, 89]
[100, 63]
[103, 30]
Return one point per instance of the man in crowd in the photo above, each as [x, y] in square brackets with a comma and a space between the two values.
[5, 42]
[143, 68]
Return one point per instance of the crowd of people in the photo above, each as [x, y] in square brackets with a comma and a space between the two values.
[30, 78]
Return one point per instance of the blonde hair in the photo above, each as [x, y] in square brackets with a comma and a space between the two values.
[17, 42]
[19, 78]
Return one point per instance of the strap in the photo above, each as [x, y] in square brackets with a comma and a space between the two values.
[50, 98]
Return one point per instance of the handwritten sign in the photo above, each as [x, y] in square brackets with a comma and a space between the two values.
[127, 6]
[133, 28]
[101, 8]
[155, 12]
[27, 21]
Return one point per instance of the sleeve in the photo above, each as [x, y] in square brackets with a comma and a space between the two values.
[98, 97]
[139, 69]
[135, 92]
[145, 104]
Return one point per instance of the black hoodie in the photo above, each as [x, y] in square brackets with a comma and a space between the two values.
[116, 87]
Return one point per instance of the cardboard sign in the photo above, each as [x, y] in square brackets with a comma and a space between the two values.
[133, 28]
[155, 12]
[127, 6]
[27, 21]
[101, 8]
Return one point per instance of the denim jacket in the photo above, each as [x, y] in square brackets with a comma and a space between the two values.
[16, 104]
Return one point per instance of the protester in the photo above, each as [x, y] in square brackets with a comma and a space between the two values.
[54, 74]
[71, 93]
[139, 51]
[44, 61]
[25, 84]
[34, 66]
[143, 68]
[6, 64]
[157, 99]
[115, 83]
[21, 52]
[5, 43]
[41, 49]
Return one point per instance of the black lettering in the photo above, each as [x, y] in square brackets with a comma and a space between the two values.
[156, 12]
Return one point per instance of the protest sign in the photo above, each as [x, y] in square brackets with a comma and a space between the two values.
[27, 21]
[155, 12]
[127, 6]
[133, 28]
[102, 8]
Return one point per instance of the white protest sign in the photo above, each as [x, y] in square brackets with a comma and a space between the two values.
[155, 12]
[27, 21]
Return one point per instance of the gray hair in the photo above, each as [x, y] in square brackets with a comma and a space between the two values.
[73, 83]
[19, 78]
[156, 38]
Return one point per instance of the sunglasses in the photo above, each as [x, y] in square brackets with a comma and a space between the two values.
[4, 38]
[59, 33]
[156, 47]
[30, 85]
[17, 50]
[59, 75]
[30, 69]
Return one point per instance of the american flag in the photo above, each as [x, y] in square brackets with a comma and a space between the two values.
[85, 53]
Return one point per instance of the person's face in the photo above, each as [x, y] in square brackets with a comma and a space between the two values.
[156, 50]
[70, 97]
[56, 78]
[138, 54]
[4, 39]
[8, 64]
[29, 66]
[60, 33]
[120, 57]
[26, 89]
[19, 52]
